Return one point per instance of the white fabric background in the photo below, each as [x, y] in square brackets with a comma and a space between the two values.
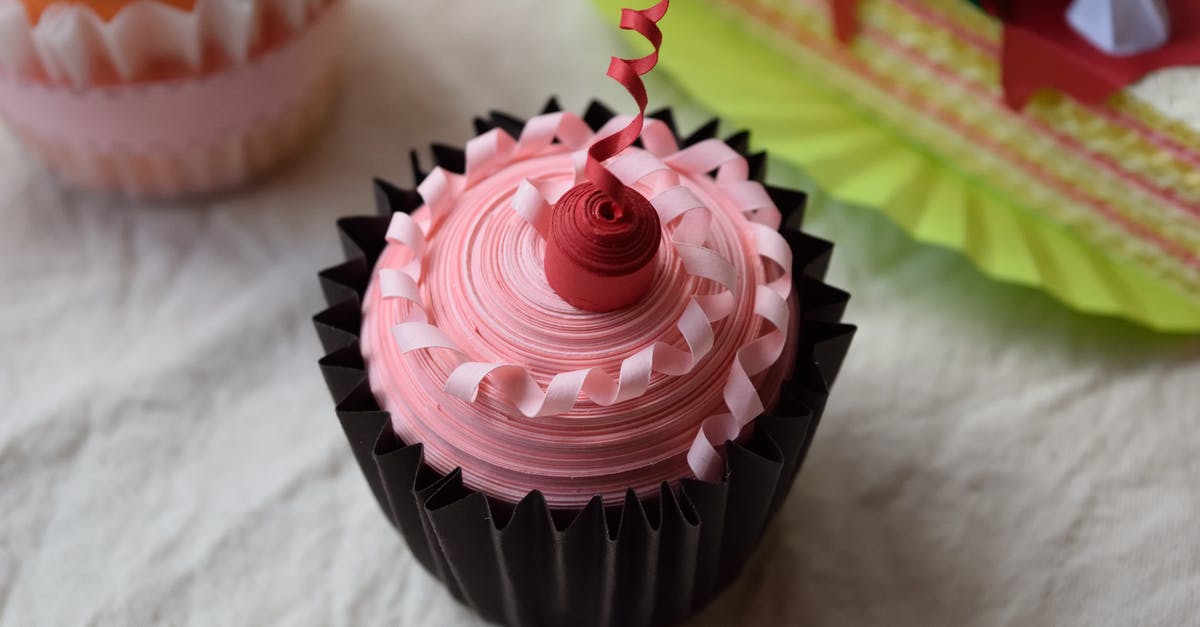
[168, 453]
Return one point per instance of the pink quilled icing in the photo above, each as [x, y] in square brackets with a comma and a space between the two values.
[475, 356]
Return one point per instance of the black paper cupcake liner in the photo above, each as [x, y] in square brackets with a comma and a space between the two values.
[651, 561]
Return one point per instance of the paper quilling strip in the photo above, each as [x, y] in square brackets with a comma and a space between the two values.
[158, 101]
[635, 556]
[1096, 202]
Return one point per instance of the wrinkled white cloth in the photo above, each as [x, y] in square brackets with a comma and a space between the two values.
[169, 455]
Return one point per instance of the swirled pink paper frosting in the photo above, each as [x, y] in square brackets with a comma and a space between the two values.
[479, 360]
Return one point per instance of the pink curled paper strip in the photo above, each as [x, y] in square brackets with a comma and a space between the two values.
[718, 300]
[174, 115]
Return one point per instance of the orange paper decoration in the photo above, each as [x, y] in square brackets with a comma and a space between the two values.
[106, 9]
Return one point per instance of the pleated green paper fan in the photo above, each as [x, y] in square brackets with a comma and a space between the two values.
[857, 157]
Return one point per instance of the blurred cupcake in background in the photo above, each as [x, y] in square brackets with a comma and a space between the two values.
[166, 98]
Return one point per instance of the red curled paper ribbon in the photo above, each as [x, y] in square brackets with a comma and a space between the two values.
[604, 236]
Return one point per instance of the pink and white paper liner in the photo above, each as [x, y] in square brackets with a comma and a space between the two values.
[183, 136]
[734, 297]
[71, 40]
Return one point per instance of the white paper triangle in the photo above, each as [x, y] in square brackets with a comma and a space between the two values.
[17, 54]
[235, 24]
[1121, 27]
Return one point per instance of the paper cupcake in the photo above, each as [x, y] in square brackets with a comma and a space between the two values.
[163, 98]
[581, 375]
